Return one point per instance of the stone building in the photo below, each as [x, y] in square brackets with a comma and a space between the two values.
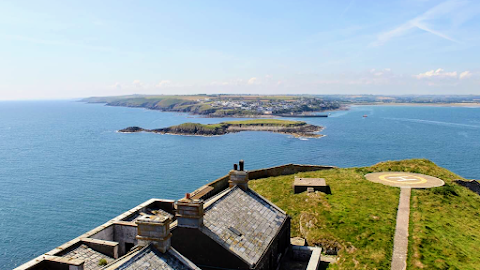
[236, 229]
[222, 225]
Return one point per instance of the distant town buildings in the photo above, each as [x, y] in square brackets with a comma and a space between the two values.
[274, 106]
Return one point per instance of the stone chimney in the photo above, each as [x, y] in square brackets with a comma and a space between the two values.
[238, 176]
[189, 212]
[154, 229]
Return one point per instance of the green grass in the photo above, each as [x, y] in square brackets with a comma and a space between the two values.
[190, 126]
[359, 217]
[168, 102]
[444, 229]
[102, 262]
[222, 128]
[256, 122]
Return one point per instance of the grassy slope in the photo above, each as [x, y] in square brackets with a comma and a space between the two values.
[255, 122]
[359, 217]
[198, 126]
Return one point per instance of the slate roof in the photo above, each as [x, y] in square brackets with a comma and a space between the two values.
[150, 258]
[90, 256]
[243, 222]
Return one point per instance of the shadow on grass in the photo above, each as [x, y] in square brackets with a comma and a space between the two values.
[323, 265]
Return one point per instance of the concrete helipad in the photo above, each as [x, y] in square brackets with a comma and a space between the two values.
[405, 181]
[402, 179]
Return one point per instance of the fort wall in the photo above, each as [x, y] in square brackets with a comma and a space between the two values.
[213, 188]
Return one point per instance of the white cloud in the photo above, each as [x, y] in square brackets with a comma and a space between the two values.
[252, 81]
[347, 8]
[137, 84]
[421, 22]
[164, 83]
[117, 85]
[379, 73]
[442, 74]
[465, 74]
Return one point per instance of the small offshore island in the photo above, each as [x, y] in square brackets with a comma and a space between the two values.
[294, 128]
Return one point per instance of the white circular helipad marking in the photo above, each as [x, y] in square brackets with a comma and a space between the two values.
[402, 179]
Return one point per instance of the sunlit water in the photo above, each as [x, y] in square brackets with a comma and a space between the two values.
[64, 169]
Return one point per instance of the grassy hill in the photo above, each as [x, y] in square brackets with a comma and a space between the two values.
[221, 128]
[358, 218]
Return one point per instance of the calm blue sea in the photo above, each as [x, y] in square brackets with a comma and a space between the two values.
[64, 169]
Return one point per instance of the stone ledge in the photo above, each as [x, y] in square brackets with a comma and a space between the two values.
[63, 260]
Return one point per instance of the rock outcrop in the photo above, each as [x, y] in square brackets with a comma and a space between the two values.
[297, 129]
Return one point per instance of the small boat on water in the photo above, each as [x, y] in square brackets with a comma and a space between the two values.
[364, 116]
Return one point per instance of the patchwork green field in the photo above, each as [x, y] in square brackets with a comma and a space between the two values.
[358, 219]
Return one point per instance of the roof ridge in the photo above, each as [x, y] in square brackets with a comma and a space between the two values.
[231, 210]
[267, 201]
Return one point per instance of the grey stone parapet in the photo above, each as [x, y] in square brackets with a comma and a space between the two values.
[73, 264]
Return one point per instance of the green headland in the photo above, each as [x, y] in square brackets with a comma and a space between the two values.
[295, 128]
[224, 105]
[358, 219]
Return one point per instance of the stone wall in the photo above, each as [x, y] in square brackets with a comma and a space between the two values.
[122, 234]
[285, 170]
[222, 183]
[217, 185]
[310, 254]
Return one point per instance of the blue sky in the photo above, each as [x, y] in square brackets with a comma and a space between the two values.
[70, 49]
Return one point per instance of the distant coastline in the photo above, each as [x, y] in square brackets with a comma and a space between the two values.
[218, 106]
[274, 106]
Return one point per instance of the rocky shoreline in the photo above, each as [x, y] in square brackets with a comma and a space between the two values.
[301, 129]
